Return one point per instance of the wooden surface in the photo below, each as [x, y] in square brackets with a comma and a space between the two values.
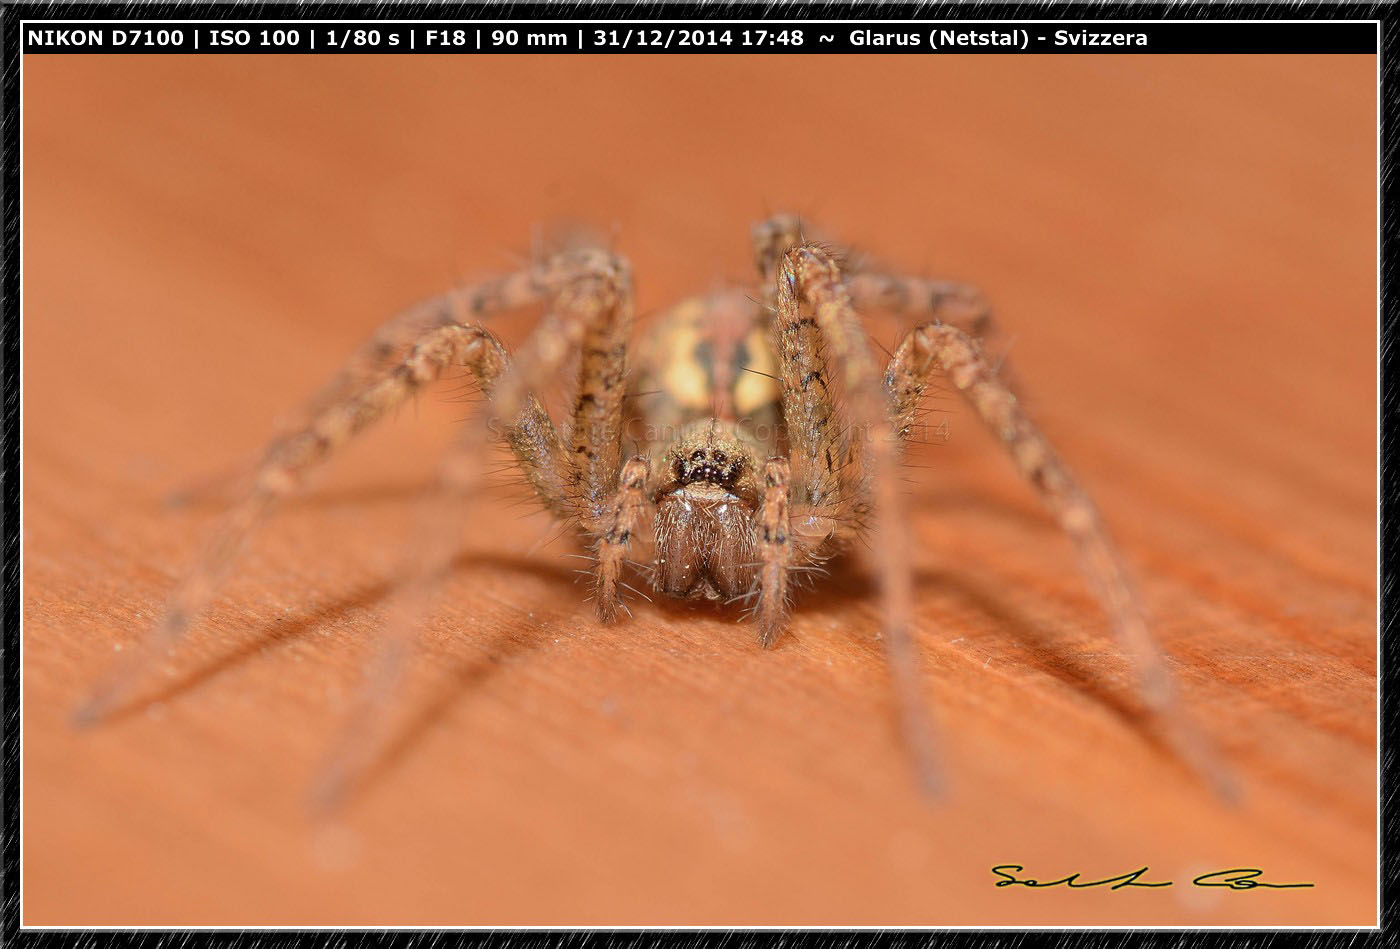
[1182, 250]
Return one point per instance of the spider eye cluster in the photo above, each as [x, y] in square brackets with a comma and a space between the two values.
[713, 466]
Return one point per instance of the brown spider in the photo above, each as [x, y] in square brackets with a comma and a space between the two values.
[767, 438]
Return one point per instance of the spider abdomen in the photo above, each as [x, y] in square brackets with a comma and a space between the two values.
[706, 358]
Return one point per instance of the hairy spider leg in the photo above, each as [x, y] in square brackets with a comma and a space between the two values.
[826, 498]
[630, 506]
[356, 398]
[387, 346]
[934, 348]
[957, 303]
[872, 289]
[284, 468]
[775, 551]
[535, 283]
[592, 315]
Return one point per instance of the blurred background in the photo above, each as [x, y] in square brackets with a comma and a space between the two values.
[1181, 252]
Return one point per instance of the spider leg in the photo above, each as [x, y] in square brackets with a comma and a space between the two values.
[388, 345]
[960, 304]
[629, 506]
[943, 300]
[592, 312]
[828, 489]
[283, 469]
[359, 395]
[775, 552]
[600, 309]
[608, 504]
[470, 304]
[936, 348]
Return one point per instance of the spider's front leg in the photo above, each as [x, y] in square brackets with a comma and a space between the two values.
[775, 551]
[463, 306]
[841, 466]
[629, 508]
[390, 344]
[285, 467]
[607, 504]
[574, 476]
[937, 348]
[405, 355]
[943, 300]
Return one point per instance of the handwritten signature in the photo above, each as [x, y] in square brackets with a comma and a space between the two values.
[1238, 878]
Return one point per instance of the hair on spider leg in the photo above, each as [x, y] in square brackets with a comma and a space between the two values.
[639, 593]
[467, 393]
[759, 372]
[837, 254]
[808, 577]
[463, 382]
[546, 540]
[515, 503]
[506, 477]
[502, 466]
[761, 303]
[743, 597]
[468, 399]
[883, 348]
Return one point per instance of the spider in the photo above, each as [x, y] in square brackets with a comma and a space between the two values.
[767, 438]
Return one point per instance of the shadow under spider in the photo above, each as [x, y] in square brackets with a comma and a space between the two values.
[1050, 656]
[930, 503]
[220, 499]
[285, 631]
[844, 582]
[465, 675]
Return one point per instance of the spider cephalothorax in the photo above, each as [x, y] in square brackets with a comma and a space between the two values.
[766, 437]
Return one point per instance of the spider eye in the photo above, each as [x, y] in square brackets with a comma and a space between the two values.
[698, 455]
[721, 458]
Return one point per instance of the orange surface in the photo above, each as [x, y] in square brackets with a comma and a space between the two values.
[1182, 251]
